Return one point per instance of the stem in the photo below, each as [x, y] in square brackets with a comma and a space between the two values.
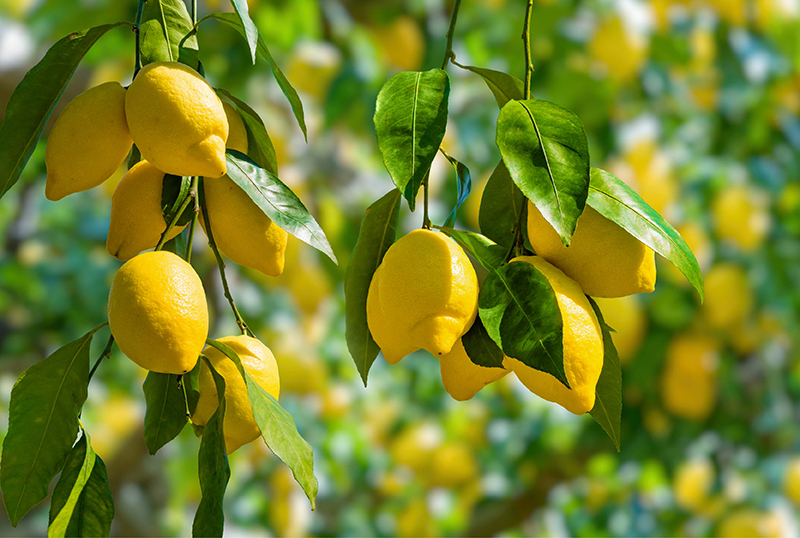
[193, 225]
[175, 219]
[106, 353]
[426, 221]
[194, 12]
[138, 60]
[526, 41]
[448, 53]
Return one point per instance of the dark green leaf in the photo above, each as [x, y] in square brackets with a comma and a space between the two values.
[166, 33]
[480, 347]
[277, 201]
[463, 187]
[191, 386]
[504, 86]
[250, 30]
[502, 204]
[410, 121]
[259, 144]
[231, 19]
[277, 429]
[377, 233]
[77, 469]
[43, 425]
[174, 191]
[213, 469]
[617, 201]
[545, 150]
[607, 410]
[34, 98]
[520, 311]
[166, 410]
[488, 253]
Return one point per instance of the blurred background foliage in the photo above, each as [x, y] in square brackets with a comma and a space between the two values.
[695, 103]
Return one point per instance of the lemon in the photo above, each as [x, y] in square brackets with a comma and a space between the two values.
[177, 121]
[689, 378]
[728, 296]
[415, 445]
[424, 295]
[157, 312]
[742, 216]
[237, 134]
[791, 480]
[604, 259]
[452, 464]
[462, 378]
[241, 230]
[89, 141]
[583, 346]
[622, 53]
[415, 520]
[692, 484]
[136, 219]
[401, 43]
[626, 316]
[750, 523]
[258, 361]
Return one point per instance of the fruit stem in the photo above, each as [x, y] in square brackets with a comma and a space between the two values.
[194, 12]
[426, 221]
[177, 216]
[448, 53]
[193, 224]
[106, 353]
[138, 59]
[526, 41]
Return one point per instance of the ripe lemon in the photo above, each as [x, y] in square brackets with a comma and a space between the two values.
[692, 484]
[604, 259]
[157, 312]
[622, 54]
[742, 216]
[89, 141]
[424, 295]
[728, 296]
[452, 464]
[136, 219]
[750, 523]
[237, 134]
[241, 230]
[258, 361]
[177, 121]
[583, 346]
[462, 378]
[688, 381]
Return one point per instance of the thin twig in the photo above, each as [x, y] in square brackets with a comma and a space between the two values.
[172, 224]
[448, 52]
[106, 353]
[138, 59]
[193, 224]
[526, 41]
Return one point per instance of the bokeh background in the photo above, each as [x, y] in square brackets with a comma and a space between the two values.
[695, 103]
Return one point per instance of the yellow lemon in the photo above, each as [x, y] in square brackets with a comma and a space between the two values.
[415, 520]
[791, 480]
[693, 482]
[157, 312]
[401, 43]
[626, 316]
[462, 378]
[604, 259]
[728, 296]
[742, 216]
[583, 346]
[750, 523]
[241, 230]
[689, 378]
[452, 464]
[89, 141]
[424, 295]
[622, 53]
[136, 218]
[177, 121]
[258, 361]
[237, 133]
[415, 445]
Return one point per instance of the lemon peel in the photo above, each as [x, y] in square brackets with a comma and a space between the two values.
[462, 378]
[237, 134]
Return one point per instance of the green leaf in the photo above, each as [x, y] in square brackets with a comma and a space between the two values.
[545, 149]
[277, 201]
[232, 19]
[480, 347]
[174, 191]
[81, 504]
[616, 201]
[410, 121]
[43, 425]
[504, 86]
[190, 384]
[250, 30]
[166, 409]
[377, 234]
[259, 144]
[488, 253]
[607, 410]
[167, 34]
[502, 204]
[519, 309]
[213, 469]
[34, 99]
[463, 187]
[277, 429]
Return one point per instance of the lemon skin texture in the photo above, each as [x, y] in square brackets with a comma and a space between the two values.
[89, 141]
[258, 361]
[604, 259]
[157, 312]
[237, 134]
[177, 121]
[462, 378]
[424, 295]
[136, 218]
[241, 230]
[583, 345]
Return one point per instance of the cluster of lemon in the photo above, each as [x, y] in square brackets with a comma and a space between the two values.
[157, 308]
[424, 295]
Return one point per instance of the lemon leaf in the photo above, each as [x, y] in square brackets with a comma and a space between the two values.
[480, 347]
[166, 410]
[501, 205]
[616, 201]
[260, 147]
[410, 121]
[488, 253]
[376, 235]
[277, 201]
[174, 190]
[34, 99]
[43, 425]
[213, 469]
[250, 30]
[545, 150]
[81, 504]
[166, 33]
[519, 309]
[277, 429]
[607, 410]
[505, 87]
[463, 187]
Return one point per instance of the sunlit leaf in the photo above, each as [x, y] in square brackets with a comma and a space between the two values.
[488, 253]
[250, 30]
[166, 33]
[259, 144]
[505, 87]
[166, 410]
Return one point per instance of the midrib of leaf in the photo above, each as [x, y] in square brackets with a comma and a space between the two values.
[166, 30]
[615, 438]
[414, 125]
[47, 426]
[546, 159]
